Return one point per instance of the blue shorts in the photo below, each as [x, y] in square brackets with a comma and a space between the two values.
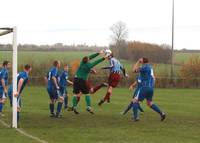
[10, 95]
[144, 93]
[62, 91]
[2, 94]
[53, 93]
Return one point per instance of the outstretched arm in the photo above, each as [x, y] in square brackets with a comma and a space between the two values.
[136, 66]
[93, 56]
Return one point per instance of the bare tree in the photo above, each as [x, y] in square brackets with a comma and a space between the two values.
[120, 34]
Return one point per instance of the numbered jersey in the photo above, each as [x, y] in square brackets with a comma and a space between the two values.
[53, 72]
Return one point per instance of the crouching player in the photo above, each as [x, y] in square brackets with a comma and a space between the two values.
[115, 70]
[136, 84]
[22, 80]
[63, 83]
[3, 85]
[146, 90]
[53, 89]
[81, 81]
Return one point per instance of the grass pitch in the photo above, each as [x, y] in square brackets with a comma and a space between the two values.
[107, 125]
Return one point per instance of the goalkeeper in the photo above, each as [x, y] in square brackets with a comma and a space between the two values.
[81, 78]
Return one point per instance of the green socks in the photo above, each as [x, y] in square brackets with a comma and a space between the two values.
[88, 100]
[74, 101]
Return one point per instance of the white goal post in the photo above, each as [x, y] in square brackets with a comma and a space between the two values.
[4, 31]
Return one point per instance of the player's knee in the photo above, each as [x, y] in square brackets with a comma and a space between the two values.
[134, 100]
[149, 103]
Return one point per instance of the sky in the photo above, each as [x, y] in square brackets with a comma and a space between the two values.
[89, 21]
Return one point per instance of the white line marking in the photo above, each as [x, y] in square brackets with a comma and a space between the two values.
[24, 133]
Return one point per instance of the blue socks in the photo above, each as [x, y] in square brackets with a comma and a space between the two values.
[140, 108]
[17, 116]
[51, 107]
[135, 110]
[59, 107]
[156, 109]
[1, 107]
[128, 108]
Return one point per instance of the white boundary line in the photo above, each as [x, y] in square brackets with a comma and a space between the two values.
[24, 133]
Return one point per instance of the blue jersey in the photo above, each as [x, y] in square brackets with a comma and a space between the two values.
[22, 75]
[146, 75]
[4, 76]
[53, 72]
[62, 80]
[115, 65]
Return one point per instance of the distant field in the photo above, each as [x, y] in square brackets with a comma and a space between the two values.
[67, 57]
[107, 125]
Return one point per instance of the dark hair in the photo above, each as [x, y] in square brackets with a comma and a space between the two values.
[145, 60]
[111, 55]
[55, 63]
[85, 59]
[5, 63]
[27, 67]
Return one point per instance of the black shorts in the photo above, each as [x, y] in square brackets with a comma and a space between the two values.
[80, 85]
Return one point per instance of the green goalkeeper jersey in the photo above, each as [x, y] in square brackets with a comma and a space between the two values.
[84, 68]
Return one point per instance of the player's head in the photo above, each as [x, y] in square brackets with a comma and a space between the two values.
[27, 68]
[6, 64]
[111, 56]
[66, 67]
[145, 60]
[85, 59]
[56, 63]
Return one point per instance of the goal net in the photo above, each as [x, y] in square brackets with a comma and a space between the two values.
[5, 31]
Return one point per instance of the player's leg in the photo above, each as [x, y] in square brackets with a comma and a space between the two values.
[10, 94]
[107, 96]
[51, 93]
[98, 87]
[61, 94]
[85, 89]
[153, 106]
[18, 109]
[139, 97]
[65, 99]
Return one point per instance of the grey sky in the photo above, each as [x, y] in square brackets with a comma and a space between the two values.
[88, 21]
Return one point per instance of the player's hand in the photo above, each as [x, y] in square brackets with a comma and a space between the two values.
[16, 94]
[57, 87]
[140, 60]
[130, 87]
[5, 91]
[101, 52]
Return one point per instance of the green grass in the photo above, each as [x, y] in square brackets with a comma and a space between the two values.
[107, 125]
[184, 57]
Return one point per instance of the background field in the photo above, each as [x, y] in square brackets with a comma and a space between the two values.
[107, 125]
[39, 57]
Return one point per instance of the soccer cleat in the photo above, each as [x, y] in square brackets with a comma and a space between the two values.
[163, 116]
[58, 116]
[108, 100]
[52, 115]
[123, 113]
[135, 119]
[104, 84]
[75, 111]
[90, 110]
[100, 102]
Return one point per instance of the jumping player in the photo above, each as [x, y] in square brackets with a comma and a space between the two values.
[53, 88]
[136, 84]
[115, 70]
[80, 81]
[22, 80]
[146, 90]
[3, 85]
